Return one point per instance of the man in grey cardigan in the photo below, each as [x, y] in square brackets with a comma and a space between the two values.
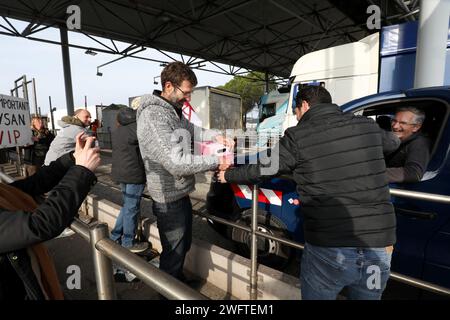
[164, 137]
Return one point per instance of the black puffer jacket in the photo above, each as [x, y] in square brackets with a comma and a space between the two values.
[338, 165]
[18, 230]
[127, 163]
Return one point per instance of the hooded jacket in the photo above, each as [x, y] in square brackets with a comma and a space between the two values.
[337, 162]
[165, 138]
[64, 142]
[127, 164]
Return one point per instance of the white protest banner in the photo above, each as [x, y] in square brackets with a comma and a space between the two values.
[15, 128]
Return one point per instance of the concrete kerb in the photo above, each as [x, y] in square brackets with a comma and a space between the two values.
[222, 268]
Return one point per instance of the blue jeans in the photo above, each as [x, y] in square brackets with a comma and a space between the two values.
[125, 229]
[174, 220]
[325, 271]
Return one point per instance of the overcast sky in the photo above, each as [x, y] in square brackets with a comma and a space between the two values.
[122, 79]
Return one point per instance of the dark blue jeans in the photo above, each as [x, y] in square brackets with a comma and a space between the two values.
[125, 229]
[325, 271]
[174, 220]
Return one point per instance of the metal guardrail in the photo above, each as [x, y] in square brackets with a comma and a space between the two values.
[245, 228]
[105, 251]
[5, 178]
[420, 195]
[254, 246]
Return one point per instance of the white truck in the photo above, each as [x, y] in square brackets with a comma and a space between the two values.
[381, 62]
[348, 72]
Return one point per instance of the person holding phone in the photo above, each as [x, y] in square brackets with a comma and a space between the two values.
[26, 269]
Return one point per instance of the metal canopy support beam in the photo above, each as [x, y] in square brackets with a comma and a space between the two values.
[296, 15]
[222, 10]
[66, 68]
[406, 9]
[211, 54]
[432, 43]
[27, 29]
[101, 43]
[38, 28]
[252, 40]
[274, 46]
[124, 53]
[14, 30]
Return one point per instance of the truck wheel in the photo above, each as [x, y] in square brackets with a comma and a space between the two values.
[270, 252]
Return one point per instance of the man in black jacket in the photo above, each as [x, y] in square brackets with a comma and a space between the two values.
[349, 224]
[69, 180]
[409, 162]
[128, 170]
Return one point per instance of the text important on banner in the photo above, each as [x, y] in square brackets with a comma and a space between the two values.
[14, 122]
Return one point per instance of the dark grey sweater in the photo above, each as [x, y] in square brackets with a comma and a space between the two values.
[409, 162]
[165, 143]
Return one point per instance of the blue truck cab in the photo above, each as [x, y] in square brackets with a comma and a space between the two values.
[422, 250]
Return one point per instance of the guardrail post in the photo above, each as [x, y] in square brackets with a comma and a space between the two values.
[254, 246]
[102, 264]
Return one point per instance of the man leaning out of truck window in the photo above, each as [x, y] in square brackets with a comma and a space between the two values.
[409, 162]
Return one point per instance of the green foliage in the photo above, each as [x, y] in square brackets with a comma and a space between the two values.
[249, 89]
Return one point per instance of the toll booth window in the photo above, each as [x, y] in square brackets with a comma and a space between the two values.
[312, 83]
[267, 110]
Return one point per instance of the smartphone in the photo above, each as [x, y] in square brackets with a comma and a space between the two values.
[94, 143]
